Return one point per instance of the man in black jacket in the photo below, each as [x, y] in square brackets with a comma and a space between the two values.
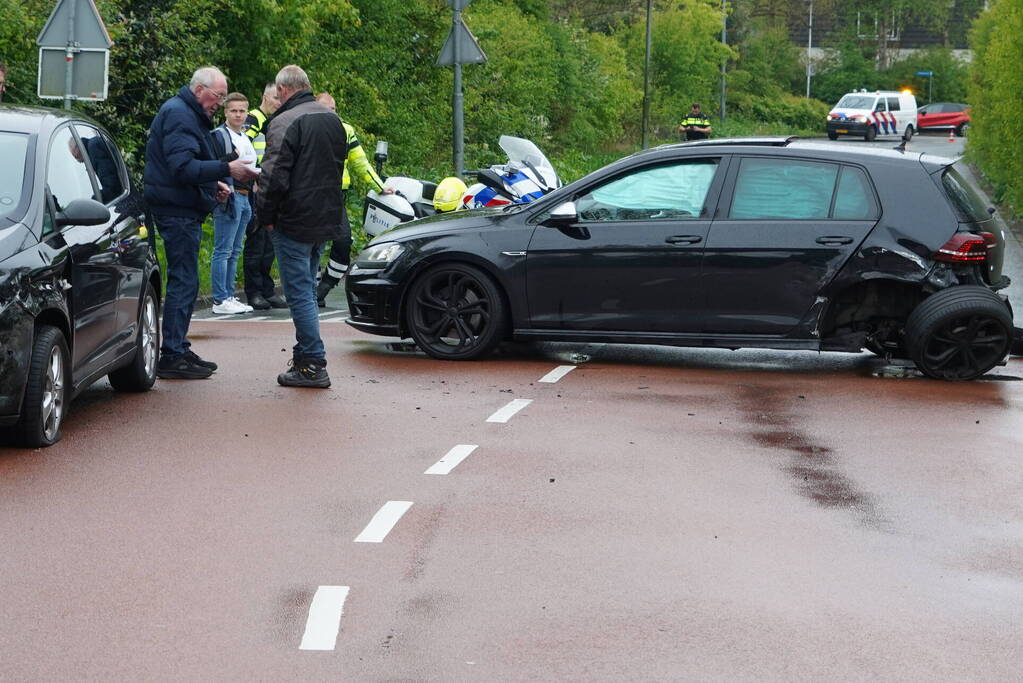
[300, 203]
[183, 182]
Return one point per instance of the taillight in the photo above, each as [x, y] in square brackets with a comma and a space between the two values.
[967, 247]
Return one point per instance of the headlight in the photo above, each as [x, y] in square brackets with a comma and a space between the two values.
[379, 255]
[861, 119]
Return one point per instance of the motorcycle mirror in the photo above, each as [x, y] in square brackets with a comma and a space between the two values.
[381, 151]
[492, 180]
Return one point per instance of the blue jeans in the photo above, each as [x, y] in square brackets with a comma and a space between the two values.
[298, 263]
[228, 234]
[181, 247]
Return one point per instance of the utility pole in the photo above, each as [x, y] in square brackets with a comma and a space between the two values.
[724, 60]
[646, 74]
[809, 44]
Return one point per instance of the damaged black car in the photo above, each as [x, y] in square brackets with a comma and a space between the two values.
[770, 243]
[79, 280]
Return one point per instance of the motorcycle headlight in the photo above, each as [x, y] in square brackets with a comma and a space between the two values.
[379, 255]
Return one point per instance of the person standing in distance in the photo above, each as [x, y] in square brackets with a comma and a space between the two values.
[184, 180]
[258, 253]
[341, 249]
[300, 203]
[696, 126]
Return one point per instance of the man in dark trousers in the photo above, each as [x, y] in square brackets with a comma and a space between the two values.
[300, 203]
[183, 182]
[258, 253]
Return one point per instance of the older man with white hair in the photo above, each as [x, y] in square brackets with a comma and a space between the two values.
[184, 180]
[300, 203]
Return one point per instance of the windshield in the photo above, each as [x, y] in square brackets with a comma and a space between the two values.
[523, 154]
[969, 205]
[13, 151]
[856, 102]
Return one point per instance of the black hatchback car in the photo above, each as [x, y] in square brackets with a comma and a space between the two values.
[757, 242]
[79, 280]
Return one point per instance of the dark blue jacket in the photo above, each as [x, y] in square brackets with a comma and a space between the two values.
[182, 168]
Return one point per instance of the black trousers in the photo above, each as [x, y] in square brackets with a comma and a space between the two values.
[340, 250]
[257, 257]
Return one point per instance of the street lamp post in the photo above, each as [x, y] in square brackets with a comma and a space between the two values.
[809, 43]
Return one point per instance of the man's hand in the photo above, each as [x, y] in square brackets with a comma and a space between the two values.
[242, 170]
[223, 191]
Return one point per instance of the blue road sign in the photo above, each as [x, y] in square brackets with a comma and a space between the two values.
[924, 73]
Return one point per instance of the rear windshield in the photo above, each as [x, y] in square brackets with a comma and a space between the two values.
[969, 206]
[856, 102]
[13, 148]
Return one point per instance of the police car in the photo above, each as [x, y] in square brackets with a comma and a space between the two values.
[869, 114]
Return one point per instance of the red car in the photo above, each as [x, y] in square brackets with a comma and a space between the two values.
[937, 116]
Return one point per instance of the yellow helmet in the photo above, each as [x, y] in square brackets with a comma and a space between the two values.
[448, 195]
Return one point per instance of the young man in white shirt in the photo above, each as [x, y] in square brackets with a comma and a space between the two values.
[232, 216]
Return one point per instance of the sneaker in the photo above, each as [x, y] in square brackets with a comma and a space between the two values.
[181, 367]
[246, 308]
[311, 372]
[228, 307]
[194, 357]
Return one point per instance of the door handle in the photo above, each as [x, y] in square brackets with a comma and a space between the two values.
[684, 239]
[834, 240]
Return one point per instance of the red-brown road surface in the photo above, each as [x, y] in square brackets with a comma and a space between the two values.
[655, 514]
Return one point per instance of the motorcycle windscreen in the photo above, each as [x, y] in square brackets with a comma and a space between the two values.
[522, 153]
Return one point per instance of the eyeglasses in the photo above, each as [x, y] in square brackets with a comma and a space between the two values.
[221, 97]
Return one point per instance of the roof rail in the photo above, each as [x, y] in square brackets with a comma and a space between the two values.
[763, 141]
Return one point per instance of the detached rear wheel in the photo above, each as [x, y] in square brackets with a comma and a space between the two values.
[140, 374]
[42, 412]
[455, 312]
[959, 333]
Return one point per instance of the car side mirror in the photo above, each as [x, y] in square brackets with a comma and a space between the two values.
[82, 212]
[563, 214]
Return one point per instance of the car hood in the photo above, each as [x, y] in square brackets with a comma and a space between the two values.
[13, 240]
[445, 222]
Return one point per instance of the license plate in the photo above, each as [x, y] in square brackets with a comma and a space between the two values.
[841, 130]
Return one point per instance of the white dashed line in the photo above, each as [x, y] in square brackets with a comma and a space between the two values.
[506, 413]
[383, 521]
[452, 459]
[557, 373]
[324, 622]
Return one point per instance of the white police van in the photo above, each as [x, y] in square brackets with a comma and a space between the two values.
[869, 114]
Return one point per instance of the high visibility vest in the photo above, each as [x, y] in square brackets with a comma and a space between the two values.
[691, 120]
[256, 133]
[356, 158]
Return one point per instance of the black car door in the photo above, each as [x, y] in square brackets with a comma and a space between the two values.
[631, 261]
[787, 226]
[131, 249]
[94, 255]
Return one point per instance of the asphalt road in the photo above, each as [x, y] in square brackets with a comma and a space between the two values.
[556, 512]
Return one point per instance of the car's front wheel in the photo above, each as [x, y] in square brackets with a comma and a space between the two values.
[455, 312]
[959, 333]
[140, 374]
[42, 412]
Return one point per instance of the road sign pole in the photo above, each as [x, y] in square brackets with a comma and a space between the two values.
[457, 106]
[69, 57]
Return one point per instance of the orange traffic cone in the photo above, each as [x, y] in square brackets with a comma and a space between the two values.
[951, 136]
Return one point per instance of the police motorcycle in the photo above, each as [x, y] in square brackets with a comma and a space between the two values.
[526, 176]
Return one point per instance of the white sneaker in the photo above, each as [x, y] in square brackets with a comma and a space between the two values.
[228, 307]
[245, 307]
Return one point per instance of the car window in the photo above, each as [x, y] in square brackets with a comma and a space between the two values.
[13, 152]
[880, 105]
[854, 199]
[783, 188]
[106, 162]
[893, 104]
[66, 173]
[968, 204]
[666, 192]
